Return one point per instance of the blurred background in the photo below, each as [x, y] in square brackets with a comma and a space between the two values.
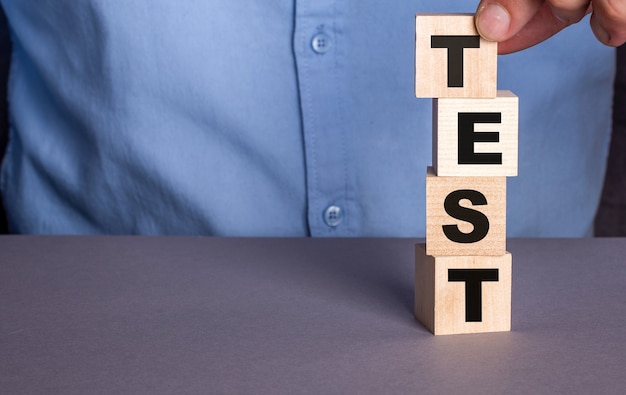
[611, 215]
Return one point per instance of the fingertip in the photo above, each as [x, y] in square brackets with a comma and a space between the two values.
[601, 34]
[612, 37]
[493, 22]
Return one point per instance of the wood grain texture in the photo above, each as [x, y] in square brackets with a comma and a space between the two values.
[440, 305]
[431, 64]
[446, 135]
[438, 188]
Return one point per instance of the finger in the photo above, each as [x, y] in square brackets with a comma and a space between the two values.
[608, 21]
[569, 11]
[499, 20]
[542, 26]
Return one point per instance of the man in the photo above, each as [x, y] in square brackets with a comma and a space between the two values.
[287, 118]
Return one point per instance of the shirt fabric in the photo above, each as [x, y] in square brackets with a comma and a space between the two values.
[271, 118]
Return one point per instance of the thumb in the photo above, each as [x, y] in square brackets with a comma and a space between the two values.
[516, 24]
[499, 20]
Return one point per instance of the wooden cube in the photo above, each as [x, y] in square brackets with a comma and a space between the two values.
[463, 294]
[451, 59]
[465, 215]
[476, 137]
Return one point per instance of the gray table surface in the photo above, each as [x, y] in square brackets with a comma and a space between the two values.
[83, 315]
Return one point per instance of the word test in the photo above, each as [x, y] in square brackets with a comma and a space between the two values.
[463, 273]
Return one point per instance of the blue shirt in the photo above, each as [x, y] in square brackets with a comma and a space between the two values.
[271, 118]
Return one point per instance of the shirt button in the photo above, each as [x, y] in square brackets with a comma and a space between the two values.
[320, 43]
[333, 216]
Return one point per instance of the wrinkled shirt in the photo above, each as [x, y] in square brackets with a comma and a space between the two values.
[272, 118]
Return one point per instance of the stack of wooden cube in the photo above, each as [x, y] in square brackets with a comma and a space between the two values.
[463, 274]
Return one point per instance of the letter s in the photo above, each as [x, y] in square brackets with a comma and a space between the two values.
[476, 218]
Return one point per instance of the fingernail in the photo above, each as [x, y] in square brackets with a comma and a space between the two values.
[561, 18]
[493, 22]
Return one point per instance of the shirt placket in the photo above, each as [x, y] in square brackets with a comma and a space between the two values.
[319, 60]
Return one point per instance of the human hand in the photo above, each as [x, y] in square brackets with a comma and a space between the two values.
[519, 24]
